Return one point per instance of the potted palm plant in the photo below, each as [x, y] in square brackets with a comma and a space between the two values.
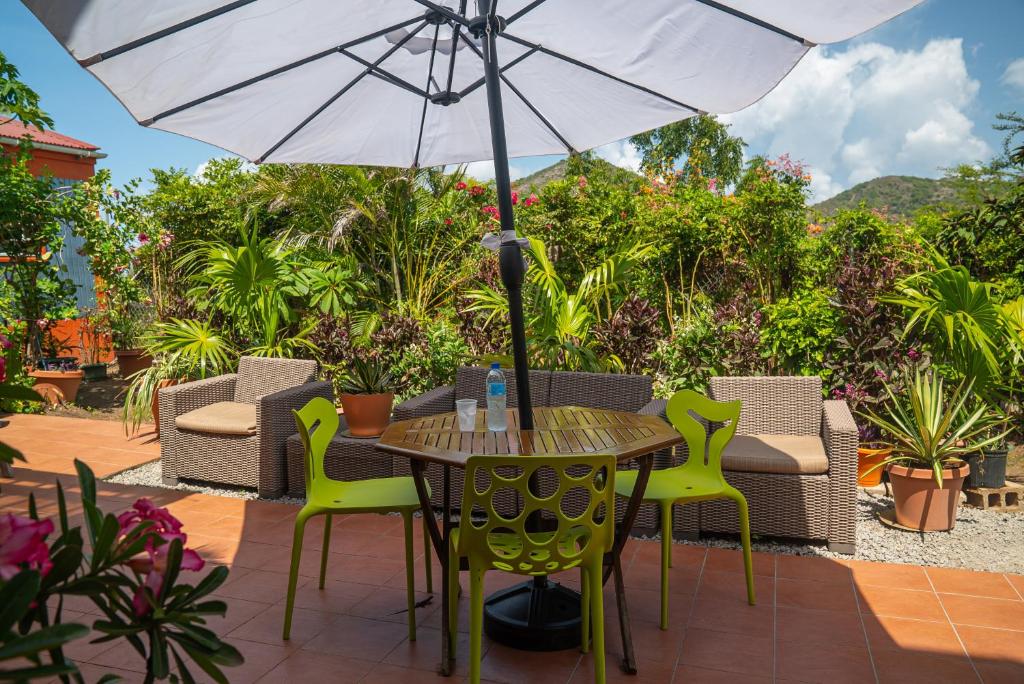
[366, 396]
[128, 323]
[930, 436]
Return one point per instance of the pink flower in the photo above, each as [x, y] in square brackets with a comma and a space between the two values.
[144, 509]
[42, 324]
[712, 184]
[476, 190]
[4, 342]
[460, 185]
[491, 210]
[582, 182]
[143, 238]
[913, 354]
[22, 543]
[515, 197]
[531, 200]
[165, 240]
[3, 369]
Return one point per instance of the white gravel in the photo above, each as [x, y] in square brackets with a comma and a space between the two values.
[981, 540]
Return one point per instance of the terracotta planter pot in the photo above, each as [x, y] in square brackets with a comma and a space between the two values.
[155, 404]
[866, 460]
[131, 361]
[58, 386]
[920, 504]
[367, 414]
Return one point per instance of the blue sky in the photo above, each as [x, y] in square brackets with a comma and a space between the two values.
[910, 97]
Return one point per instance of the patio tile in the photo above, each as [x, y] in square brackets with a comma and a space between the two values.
[892, 575]
[839, 664]
[318, 667]
[504, 664]
[336, 596]
[921, 605]
[729, 560]
[908, 667]
[389, 604]
[424, 654]
[646, 575]
[683, 555]
[1018, 583]
[819, 627]
[999, 645]
[355, 637]
[647, 673]
[93, 673]
[812, 568]
[645, 606]
[259, 660]
[258, 585]
[886, 633]
[984, 612]
[686, 674]
[732, 587]
[266, 627]
[972, 583]
[815, 595]
[730, 616]
[239, 612]
[739, 653]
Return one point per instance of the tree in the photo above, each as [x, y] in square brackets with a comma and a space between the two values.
[701, 143]
[17, 100]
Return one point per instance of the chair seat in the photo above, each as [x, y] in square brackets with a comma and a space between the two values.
[670, 485]
[222, 418]
[383, 495]
[509, 545]
[779, 454]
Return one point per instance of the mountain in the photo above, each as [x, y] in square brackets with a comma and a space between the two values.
[901, 196]
[594, 166]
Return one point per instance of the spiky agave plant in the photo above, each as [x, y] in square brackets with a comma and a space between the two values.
[928, 430]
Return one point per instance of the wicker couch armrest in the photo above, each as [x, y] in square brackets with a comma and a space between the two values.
[839, 433]
[274, 424]
[430, 403]
[655, 407]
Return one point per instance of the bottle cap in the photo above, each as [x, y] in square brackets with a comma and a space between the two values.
[496, 365]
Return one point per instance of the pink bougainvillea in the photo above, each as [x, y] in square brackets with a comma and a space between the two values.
[530, 201]
[491, 210]
[461, 185]
[23, 544]
[515, 197]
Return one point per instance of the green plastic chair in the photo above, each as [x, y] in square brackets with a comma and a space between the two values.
[695, 480]
[499, 543]
[317, 422]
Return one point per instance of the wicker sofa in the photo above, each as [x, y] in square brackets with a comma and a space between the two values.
[794, 457]
[231, 429]
[618, 392]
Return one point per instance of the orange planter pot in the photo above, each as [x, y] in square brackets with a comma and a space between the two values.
[920, 504]
[866, 460]
[155, 404]
[131, 361]
[367, 414]
[57, 386]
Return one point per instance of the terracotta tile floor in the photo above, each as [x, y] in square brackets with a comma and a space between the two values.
[817, 620]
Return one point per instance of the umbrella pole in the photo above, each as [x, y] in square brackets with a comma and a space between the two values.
[510, 257]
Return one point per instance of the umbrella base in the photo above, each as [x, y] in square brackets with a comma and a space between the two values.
[538, 615]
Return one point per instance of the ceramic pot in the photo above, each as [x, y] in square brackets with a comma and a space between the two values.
[131, 361]
[94, 371]
[154, 405]
[866, 460]
[367, 414]
[989, 472]
[920, 504]
[58, 386]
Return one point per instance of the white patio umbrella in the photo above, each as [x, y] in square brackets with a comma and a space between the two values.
[420, 83]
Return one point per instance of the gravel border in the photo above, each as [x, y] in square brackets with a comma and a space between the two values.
[981, 540]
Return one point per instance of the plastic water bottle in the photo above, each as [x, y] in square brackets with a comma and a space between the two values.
[496, 419]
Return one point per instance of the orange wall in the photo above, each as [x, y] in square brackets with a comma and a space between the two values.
[58, 164]
[68, 332]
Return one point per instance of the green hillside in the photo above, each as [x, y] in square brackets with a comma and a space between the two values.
[900, 196]
[538, 179]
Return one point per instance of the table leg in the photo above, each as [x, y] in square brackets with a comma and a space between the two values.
[613, 561]
[447, 648]
[439, 540]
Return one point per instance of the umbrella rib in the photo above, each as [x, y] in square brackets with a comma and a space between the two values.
[529, 104]
[334, 98]
[426, 97]
[480, 81]
[385, 74]
[531, 6]
[163, 33]
[455, 48]
[279, 70]
[444, 12]
[594, 69]
[754, 20]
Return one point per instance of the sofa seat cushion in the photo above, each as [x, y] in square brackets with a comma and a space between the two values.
[780, 454]
[222, 418]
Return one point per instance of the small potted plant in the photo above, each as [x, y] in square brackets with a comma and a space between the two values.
[366, 396]
[128, 323]
[871, 451]
[930, 436]
[93, 334]
[57, 376]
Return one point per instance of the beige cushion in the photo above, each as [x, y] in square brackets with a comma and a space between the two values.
[223, 418]
[785, 454]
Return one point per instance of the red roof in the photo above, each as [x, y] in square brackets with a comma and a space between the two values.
[9, 128]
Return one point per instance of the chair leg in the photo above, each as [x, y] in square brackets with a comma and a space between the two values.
[476, 622]
[293, 573]
[453, 597]
[584, 611]
[666, 559]
[410, 576]
[325, 550]
[597, 619]
[427, 557]
[748, 561]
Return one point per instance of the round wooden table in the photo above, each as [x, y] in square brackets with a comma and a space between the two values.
[516, 616]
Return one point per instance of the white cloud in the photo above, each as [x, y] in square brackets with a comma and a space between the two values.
[247, 167]
[1014, 74]
[621, 153]
[484, 170]
[867, 111]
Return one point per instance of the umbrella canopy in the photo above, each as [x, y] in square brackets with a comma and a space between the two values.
[345, 82]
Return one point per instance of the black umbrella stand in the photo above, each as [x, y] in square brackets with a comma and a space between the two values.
[538, 615]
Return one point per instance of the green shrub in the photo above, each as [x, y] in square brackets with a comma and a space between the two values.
[798, 332]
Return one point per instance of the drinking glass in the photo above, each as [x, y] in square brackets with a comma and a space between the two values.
[467, 414]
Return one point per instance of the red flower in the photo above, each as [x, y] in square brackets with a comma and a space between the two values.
[448, 221]
[143, 238]
[531, 200]
[461, 185]
[515, 197]
[3, 369]
[476, 190]
[491, 210]
[23, 542]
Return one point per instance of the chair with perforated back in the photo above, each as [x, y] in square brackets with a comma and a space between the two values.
[317, 422]
[491, 541]
[700, 478]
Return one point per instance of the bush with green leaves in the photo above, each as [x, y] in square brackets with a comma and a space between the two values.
[798, 332]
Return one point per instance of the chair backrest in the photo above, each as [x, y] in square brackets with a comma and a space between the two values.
[317, 422]
[503, 543]
[773, 405]
[692, 414]
[259, 376]
[610, 391]
[470, 383]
